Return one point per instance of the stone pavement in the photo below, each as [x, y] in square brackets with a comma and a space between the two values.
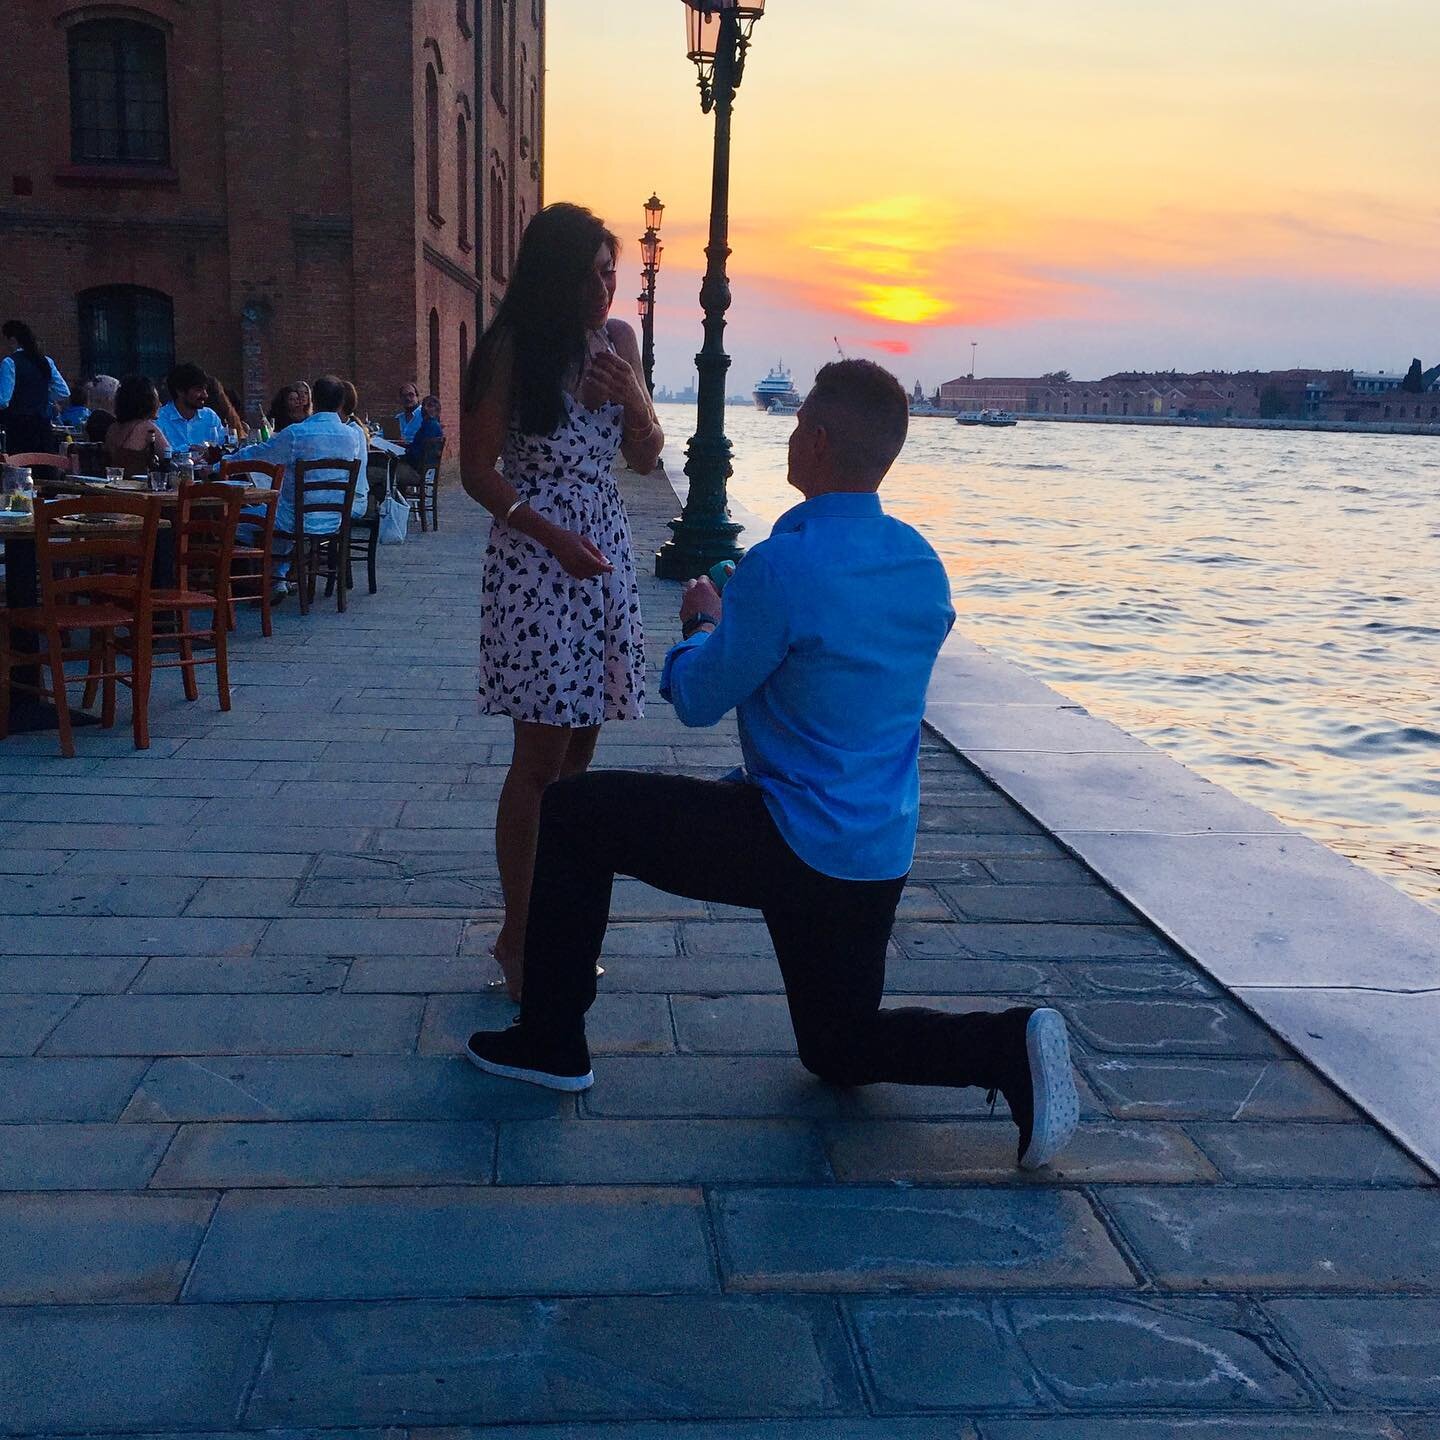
[248, 1185]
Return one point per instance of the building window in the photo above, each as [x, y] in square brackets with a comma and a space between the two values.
[432, 143]
[497, 223]
[535, 115]
[126, 330]
[497, 51]
[434, 388]
[464, 350]
[462, 180]
[462, 17]
[119, 106]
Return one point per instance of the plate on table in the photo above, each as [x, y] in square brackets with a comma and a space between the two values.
[13, 517]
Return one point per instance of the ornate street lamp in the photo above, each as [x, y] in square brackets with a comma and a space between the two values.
[650, 252]
[717, 36]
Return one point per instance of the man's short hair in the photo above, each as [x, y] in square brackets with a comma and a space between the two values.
[327, 393]
[864, 410]
[431, 400]
[184, 377]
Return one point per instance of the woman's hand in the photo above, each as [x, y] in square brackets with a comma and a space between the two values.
[581, 557]
[611, 381]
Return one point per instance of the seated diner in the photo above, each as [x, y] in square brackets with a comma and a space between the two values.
[188, 420]
[321, 436]
[130, 441]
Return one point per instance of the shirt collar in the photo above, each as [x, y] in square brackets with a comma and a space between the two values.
[834, 505]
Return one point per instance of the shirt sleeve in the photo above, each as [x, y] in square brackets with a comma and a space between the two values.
[706, 676]
[7, 379]
[59, 390]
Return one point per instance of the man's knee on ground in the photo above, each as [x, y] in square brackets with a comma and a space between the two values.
[830, 1056]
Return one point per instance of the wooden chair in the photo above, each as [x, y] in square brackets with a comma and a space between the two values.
[365, 530]
[424, 488]
[205, 519]
[89, 458]
[133, 462]
[252, 569]
[63, 464]
[322, 487]
[99, 583]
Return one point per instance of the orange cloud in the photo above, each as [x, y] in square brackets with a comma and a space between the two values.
[890, 347]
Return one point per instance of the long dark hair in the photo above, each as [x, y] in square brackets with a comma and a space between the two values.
[543, 314]
[136, 399]
[24, 337]
[280, 410]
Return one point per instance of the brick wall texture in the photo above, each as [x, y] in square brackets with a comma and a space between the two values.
[291, 231]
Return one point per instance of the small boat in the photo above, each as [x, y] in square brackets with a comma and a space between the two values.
[782, 407]
[777, 389]
[992, 418]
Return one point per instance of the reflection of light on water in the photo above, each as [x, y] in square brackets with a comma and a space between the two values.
[1265, 607]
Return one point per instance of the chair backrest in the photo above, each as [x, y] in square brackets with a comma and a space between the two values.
[324, 487]
[432, 452]
[63, 463]
[379, 474]
[113, 566]
[206, 518]
[134, 462]
[246, 470]
[89, 458]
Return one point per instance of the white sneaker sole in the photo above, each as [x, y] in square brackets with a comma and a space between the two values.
[1052, 1078]
[569, 1084]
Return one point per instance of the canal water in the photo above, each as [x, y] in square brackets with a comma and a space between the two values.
[1265, 606]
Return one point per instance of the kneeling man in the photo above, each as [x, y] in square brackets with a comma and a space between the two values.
[823, 644]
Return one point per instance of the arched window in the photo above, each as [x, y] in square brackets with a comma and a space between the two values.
[464, 350]
[434, 387]
[119, 105]
[126, 330]
[462, 180]
[432, 142]
[497, 223]
[534, 115]
[497, 51]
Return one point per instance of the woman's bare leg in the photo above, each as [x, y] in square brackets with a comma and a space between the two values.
[541, 755]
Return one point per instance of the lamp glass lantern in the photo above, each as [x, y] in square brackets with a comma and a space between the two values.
[644, 303]
[654, 208]
[650, 250]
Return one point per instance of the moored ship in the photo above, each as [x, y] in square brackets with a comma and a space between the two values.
[777, 392]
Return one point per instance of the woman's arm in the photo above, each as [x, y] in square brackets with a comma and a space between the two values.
[59, 390]
[643, 439]
[482, 437]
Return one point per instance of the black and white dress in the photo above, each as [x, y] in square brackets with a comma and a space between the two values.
[555, 650]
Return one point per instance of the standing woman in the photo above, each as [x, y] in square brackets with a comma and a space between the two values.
[29, 385]
[554, 391]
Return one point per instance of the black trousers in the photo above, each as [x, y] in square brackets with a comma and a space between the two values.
[715, 840]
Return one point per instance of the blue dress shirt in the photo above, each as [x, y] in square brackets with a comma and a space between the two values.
[428, 429]
[204, 427]
[410, 423]
[321, 436]
[830, 631]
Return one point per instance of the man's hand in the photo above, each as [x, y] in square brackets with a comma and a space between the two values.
[700, 598]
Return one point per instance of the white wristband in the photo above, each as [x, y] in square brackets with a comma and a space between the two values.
[521, 501]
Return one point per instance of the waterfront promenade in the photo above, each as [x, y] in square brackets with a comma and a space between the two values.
[249, 1186]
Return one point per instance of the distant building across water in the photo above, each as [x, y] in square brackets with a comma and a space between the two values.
[1356, 397]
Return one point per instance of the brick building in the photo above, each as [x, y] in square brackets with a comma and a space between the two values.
[269, 189]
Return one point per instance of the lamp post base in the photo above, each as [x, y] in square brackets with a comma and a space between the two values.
[695, 548]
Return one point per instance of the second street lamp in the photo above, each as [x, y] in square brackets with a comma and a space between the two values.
[650, 251]
[717, 36]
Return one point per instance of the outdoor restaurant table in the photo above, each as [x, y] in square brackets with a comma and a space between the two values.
[22, 590]
[384, 446]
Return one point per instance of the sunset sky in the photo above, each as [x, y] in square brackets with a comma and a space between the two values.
[1088, 187]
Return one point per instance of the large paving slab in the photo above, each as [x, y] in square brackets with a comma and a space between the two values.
[247, 1186]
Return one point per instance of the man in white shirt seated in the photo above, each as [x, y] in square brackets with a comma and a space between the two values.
[412, 413]
[321, 436]
[187, 420]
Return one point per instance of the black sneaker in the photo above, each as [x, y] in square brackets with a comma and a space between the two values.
[1039, 1085]
[520, 1054]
